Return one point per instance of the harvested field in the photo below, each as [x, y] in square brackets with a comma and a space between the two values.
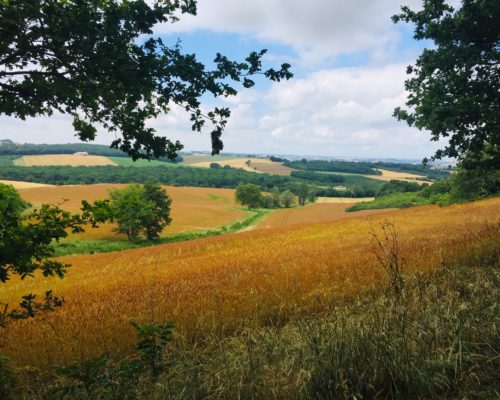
[24, 185]
[221, 285]
[343, 200]
[193, 209]
[258, 165]
[401, 176]
[65, 159]
[313, 213]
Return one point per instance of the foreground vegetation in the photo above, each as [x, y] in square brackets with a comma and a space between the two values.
[262, 318]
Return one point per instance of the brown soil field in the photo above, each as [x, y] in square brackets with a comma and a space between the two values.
[24, 185]
[193, 209]
[313, 213]
[65, 159]
[222, 285]
[258, 165]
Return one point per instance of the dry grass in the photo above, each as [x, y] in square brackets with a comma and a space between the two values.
[258, 165]
[24, 185]
[218, 286]
[401, 176]
[343, 200]
[313, 213]
[193, 209]
[65, 159]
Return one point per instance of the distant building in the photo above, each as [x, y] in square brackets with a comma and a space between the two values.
[81, 153]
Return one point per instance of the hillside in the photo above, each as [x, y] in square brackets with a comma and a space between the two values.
[193, 209]
[213, 287]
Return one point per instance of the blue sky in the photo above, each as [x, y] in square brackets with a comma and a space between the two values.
[349, 62]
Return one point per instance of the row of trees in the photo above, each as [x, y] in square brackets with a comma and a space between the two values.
[178, 176]
[250, 195]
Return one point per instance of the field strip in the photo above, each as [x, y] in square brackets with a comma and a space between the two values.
[25, 185]
[257, 165]
[401, 176]
[66, 160]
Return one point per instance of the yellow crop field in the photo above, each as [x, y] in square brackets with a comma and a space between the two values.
[343, 200]
[193, 209]
[220, 285]
[318, 212]
[65, 159]
[24, 185]
[401, 176]
[258, 165]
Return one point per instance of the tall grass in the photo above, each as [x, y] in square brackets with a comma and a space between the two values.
[437, 337]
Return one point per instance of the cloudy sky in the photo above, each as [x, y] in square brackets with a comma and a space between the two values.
[349, 62]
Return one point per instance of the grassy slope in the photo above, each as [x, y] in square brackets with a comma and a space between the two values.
[293, 313]
[214, 285]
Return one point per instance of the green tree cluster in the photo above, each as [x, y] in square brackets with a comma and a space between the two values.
[454, 86]
[27, 241]
[140, 210]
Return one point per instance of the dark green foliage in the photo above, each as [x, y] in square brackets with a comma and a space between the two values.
[287, 198]
[99, 62]
[105, 378]
[334, 166]
[179, 176]
[7, 379]
[474, 183]
[248, 195]
[278, 159]
[152, 340]
[395, 186]
[70, 148]
[27, 245]
[6, 160]
[303, 194]
[139, 210]
[318, 177]
[454, 85]
[215, 165]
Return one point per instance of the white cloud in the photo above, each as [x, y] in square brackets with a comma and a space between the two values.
[316, 29]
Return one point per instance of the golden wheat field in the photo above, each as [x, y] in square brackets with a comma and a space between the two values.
[193, 209]
[64, 159]
[220, 285]
[24, 185]
[258, 165]
[317, 212]
[401, 176]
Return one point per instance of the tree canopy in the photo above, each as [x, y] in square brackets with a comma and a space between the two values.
[27, 245]
[248, 195]
[139, 209]
[454, 86]
[99, 62]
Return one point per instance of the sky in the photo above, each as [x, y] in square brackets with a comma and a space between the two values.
[349, 62]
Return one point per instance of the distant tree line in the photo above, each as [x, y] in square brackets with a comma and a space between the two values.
[8, 148]
[367, 168]
[334, 166]
[178, 176]
[250, 195]
[318, 177]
